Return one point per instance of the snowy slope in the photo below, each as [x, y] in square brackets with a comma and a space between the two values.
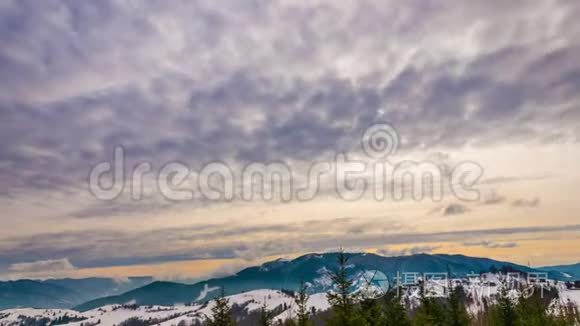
[165, 315]
[310, 268]
[478, 290]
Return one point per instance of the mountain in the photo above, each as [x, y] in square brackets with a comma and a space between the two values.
[572, 270]
[29, 293]
[311, 268]
[245, 308]
[63, 293]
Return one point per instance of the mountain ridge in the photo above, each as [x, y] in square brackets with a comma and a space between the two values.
[63, 293]
[86, 293]
[311, 268]
[570, 269]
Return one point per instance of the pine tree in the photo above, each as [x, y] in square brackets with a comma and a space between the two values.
[456, 313]
[395, 313]
[531, 311]
[543, 308]
[266, 316]
[430, 312]
[504, 312]
[221, 312]
[302, 311]
[371, 313]
[566, 314]
[342, 301]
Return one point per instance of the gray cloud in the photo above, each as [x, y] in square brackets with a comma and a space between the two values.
[493, 198]
[407, 251]
[491, 244]
[449, 209]
[117, 69]
[196, 82]
[534, 202]
[42, 266]
[106, 248]
[454, 209]
[504, 179]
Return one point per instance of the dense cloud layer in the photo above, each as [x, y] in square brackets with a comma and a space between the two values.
[105, 247]
[269, 80]
[273, 80]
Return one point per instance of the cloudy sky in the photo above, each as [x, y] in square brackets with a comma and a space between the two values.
[491, 82]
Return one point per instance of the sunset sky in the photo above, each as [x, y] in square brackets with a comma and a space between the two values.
[495, 83]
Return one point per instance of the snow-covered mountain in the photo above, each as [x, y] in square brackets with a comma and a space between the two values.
[311, 268]
[246, 306]
[567, 270]
[276, 275]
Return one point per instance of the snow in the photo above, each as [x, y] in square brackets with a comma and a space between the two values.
[324, 280]
[317, 300]
[205, 291]
[478, 289]
[34, 313]
[572, 295]
[171, 315]
[107, 315]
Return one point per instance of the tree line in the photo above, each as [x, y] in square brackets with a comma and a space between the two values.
[350, 308]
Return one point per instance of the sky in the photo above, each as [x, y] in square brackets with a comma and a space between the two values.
[486, 91]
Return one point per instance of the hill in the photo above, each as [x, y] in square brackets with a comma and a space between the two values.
[63, 293]
[311, 268]
[572, 270]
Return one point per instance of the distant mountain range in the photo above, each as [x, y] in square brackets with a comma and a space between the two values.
[90, 293]
[311, 268]
[569, 271]
[63, 293]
